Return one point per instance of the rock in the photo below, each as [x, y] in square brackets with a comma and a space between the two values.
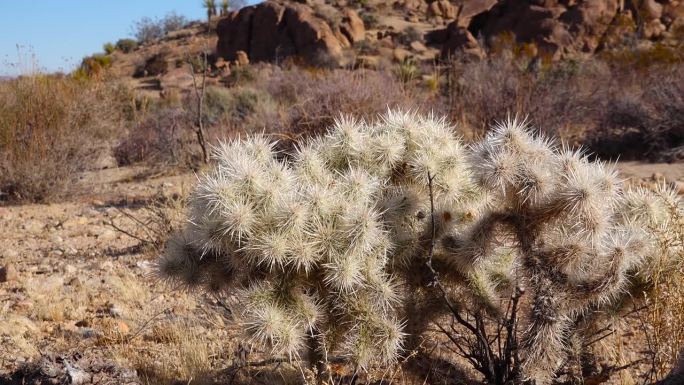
[653, 29]
[352, 26]
[76, 375]
[8, 273]
[123, 327]
[651, 10]
[400, 54]
[556, 28]
[220, 63]
[443, 9]
[241, 58]
[460, 40]
[272, 30]
[418, 46]
[471, 8]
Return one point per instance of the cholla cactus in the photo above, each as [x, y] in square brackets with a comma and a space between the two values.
[575, 235]
[326, 248]
[313, 242]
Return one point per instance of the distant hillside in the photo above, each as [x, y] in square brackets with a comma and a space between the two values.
[375, 33]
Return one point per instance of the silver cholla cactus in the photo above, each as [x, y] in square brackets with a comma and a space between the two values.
[327, 244]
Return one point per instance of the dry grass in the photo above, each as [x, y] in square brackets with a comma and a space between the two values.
[50, 127]
[664, 329]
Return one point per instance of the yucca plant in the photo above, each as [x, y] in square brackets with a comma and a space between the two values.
[225, 7]
[210, 6]
[358, 240]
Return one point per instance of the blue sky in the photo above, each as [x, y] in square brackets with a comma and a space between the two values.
[59, 33]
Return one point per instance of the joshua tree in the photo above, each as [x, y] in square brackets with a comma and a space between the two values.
[210, 5]
[225, 7]
[359, 239]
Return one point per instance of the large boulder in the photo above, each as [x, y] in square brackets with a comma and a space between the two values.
[458, 40]
[275, 29]
[556, 28]
[352, 26]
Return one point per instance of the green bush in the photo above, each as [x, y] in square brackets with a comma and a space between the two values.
[109, 48]
[234, 104]
[126, 45]
[94, 65]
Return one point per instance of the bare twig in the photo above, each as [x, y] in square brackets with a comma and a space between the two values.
[199, 94]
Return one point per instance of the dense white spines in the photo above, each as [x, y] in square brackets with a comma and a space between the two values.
[328, 244]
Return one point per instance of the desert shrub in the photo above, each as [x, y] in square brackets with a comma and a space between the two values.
[109, 48]
[357, 241]
[164, 137]
[147, 30]
[235, 104]
[643, 117]
[664, 282]
[173, 22]
[407, 71]
[155, 65]
[564, 98]
[94, 65]
[370, 19]
[313, 99]
[49, 128]
[126, 45]
[409, 35]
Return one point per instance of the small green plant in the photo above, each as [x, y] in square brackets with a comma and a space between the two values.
[370, 19]
[407, 70]
[126, 45]
[109, 48]
[94, 65]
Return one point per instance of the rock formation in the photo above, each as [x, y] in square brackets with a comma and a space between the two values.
[274, 30]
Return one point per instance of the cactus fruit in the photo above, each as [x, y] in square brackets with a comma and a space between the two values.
[329, 243]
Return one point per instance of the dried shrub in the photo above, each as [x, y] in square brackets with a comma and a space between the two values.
[155, 65]
[163, 138]
[312, 99]
[49, 126]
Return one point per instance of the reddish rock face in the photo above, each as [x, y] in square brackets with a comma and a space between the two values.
[274, 30]
[557, 28]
